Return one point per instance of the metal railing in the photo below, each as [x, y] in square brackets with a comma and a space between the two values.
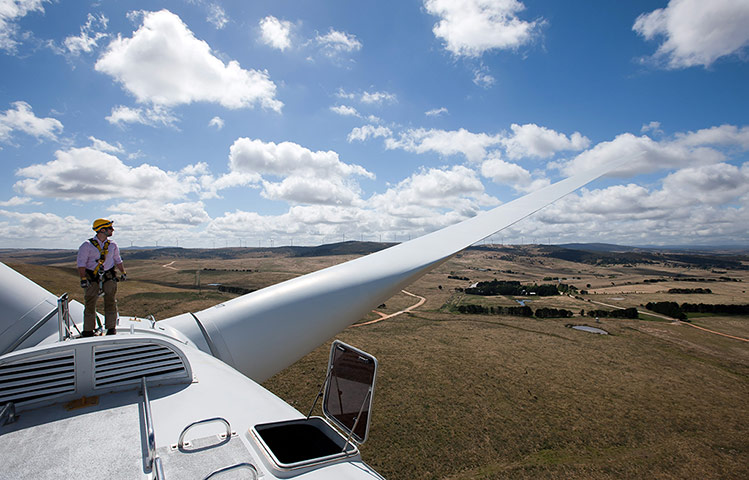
[153, 462]
[63, 318]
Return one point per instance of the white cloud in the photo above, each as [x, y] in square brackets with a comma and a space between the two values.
[15, 202]
[378, 98]
[10, 12]
[472, 145]
[530, 140]
[88, 174]
[103, 146]
[165, 65]
[471, 27]
[696, 32]
[217, 122]
[335, 43]
[150, 215]
[310, 190]
[705, 185]
[345, 110]
[285, 158]
[89, 37]
[22, 119]
[217, 16]
[152, 116]
[642, 155]
[307, 177]
[512, 174]
[38, 229]
[483, 79]
[654, 127]
[435, 112]
[368, 131]
[432, 198]
[723, 135]
[276, 33]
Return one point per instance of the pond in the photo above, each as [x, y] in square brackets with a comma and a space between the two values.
[586, 328]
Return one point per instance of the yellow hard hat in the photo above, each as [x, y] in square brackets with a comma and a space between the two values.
[100, 223]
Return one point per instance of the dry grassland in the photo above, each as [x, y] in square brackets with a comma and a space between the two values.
[464, 397]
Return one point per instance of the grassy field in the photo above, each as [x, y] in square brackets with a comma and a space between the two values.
[482, 397]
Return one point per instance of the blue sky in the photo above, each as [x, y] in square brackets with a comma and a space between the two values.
[205, 123]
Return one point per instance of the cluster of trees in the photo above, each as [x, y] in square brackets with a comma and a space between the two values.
[237, 290]
[691, 279]
[720, 309]
[505, 287]
[671, 309]
[456, 277]
[229, 270]
[619, 313]
[552, 313]
[519, 311]
[689, 290]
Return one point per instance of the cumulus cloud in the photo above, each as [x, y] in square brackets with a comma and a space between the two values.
[164, 64]
[335, 43]
[90, 174]
[368, 131]
[307, 177]
[642, 155]
[103, 146]
[91, 33]
[432, 198]
[506, 173]
[275, 33]
[22, 119]
[152, 116]
[216, 122]
[530, 140]
[10, 12]
[472, 145]
[723, 135]
[696, 32]
[345, 110]
[471, 27]
[15, 202]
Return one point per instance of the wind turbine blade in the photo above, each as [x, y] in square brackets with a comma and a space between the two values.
[263, 332]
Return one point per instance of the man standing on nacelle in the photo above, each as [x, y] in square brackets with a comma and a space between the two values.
[97, 259]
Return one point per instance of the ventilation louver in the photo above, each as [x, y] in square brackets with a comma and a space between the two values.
[116, 365]
[37, 378]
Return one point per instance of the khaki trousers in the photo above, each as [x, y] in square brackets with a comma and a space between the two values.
[110, 305]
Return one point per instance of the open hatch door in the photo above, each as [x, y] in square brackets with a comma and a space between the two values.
[347, 401]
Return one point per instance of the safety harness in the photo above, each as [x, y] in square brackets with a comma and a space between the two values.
[99, 273]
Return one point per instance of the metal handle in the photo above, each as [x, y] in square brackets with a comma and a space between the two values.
[181, 442]
[249, 466]
[149, 424]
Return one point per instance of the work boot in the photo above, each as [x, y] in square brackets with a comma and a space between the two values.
[87, 333]
[111, 331]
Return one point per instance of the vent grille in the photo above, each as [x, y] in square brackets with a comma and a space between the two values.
[37, 378]
[116, 365]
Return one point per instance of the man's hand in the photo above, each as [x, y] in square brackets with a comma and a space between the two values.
[123, 277]
[84, 283]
